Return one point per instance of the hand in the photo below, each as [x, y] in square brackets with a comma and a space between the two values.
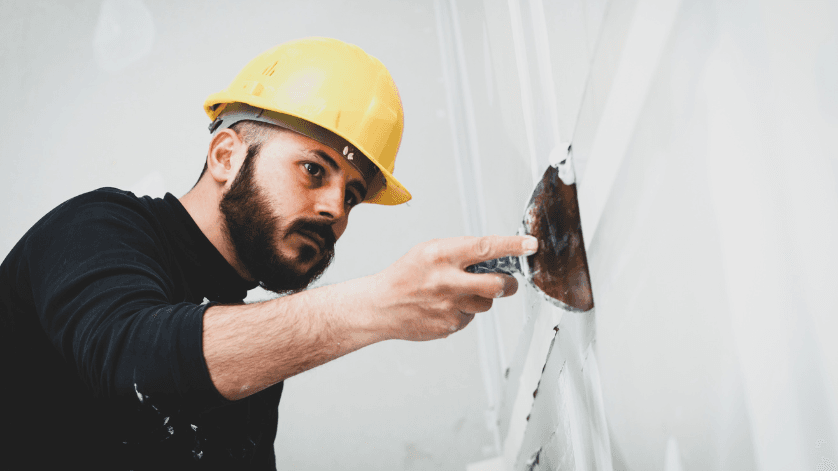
[427, 294]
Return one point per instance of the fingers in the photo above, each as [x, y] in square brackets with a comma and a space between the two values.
[471, 250]
[464, 319]
[474, 304]
[428, 294]
[468, 308]
[488, 285]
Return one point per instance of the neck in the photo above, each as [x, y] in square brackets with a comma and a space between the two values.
[202, 203]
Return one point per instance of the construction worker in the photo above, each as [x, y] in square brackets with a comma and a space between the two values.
[127, 345]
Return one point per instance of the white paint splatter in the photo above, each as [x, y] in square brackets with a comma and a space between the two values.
[561, 157]
[139, 395]
[558, 153]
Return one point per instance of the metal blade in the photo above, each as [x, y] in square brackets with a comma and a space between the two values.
[560, 267]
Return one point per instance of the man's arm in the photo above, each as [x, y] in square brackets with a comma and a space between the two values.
[96, 273]
[425, 295]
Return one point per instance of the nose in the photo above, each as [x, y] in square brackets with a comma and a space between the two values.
[330, 203]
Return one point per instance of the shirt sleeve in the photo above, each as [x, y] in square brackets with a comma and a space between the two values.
[103, 295]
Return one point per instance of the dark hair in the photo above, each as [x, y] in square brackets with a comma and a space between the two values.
[252, 133]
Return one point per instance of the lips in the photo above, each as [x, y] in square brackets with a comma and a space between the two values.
[314, 237]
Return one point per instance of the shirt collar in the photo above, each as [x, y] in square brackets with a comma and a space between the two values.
[217, 280]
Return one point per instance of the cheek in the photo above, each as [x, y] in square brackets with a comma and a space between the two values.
[280, 191]
[340, 227]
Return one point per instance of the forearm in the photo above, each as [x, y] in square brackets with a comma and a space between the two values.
[425, 295]
[251, 347]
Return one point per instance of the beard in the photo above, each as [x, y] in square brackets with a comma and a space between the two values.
[252, 228]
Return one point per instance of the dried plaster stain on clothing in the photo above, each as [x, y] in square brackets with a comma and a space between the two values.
[159, 421]
[151, 410]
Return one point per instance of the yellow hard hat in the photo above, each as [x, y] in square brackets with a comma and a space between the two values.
[327, 90]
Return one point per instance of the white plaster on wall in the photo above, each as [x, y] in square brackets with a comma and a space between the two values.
[599, 440]
[650, 27]
[526, 97]
[771, 311]
[124, 34]
[672, 459]
[487, 66]
[469, 176]
[826, 74]
[492, 464]
[744, 198]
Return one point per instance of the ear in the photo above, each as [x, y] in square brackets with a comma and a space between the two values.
[225, 156]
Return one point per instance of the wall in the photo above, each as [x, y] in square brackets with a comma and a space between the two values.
[110, 93]
[702, 138]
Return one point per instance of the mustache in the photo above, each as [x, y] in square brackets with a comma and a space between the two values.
[319, 227]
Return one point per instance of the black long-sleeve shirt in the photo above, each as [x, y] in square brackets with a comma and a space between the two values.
[101, 311]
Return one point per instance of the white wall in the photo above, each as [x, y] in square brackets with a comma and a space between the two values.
[703, 140]
[703, 137]
[78, 115]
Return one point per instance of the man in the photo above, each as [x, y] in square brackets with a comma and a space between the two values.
[127, 343]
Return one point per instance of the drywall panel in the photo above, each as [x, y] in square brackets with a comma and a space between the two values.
[563, 42]
[566, 426]
[709, 354]
[606, 49]
[701, 136]
[519, 117]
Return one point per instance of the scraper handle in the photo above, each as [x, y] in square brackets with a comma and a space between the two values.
[508, 265]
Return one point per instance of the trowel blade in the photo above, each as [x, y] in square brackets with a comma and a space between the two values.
[559, 269]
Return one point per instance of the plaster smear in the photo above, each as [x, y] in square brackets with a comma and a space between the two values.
[124, 34]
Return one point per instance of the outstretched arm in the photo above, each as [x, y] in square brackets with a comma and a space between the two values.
[425, 295]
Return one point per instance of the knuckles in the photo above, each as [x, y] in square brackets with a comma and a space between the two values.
[483, 248]
[437, 305]
[432, 252]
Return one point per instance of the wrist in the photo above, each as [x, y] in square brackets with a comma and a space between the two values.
[372, 315]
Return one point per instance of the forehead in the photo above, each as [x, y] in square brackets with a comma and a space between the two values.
[290, 144]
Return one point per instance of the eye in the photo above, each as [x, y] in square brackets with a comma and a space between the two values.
[313, 169]
[351, 198]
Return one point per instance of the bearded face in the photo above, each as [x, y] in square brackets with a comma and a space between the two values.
[254, 229]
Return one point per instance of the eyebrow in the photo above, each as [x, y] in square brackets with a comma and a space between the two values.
[354, 183]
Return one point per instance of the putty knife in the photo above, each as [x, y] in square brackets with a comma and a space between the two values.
[559, 269]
